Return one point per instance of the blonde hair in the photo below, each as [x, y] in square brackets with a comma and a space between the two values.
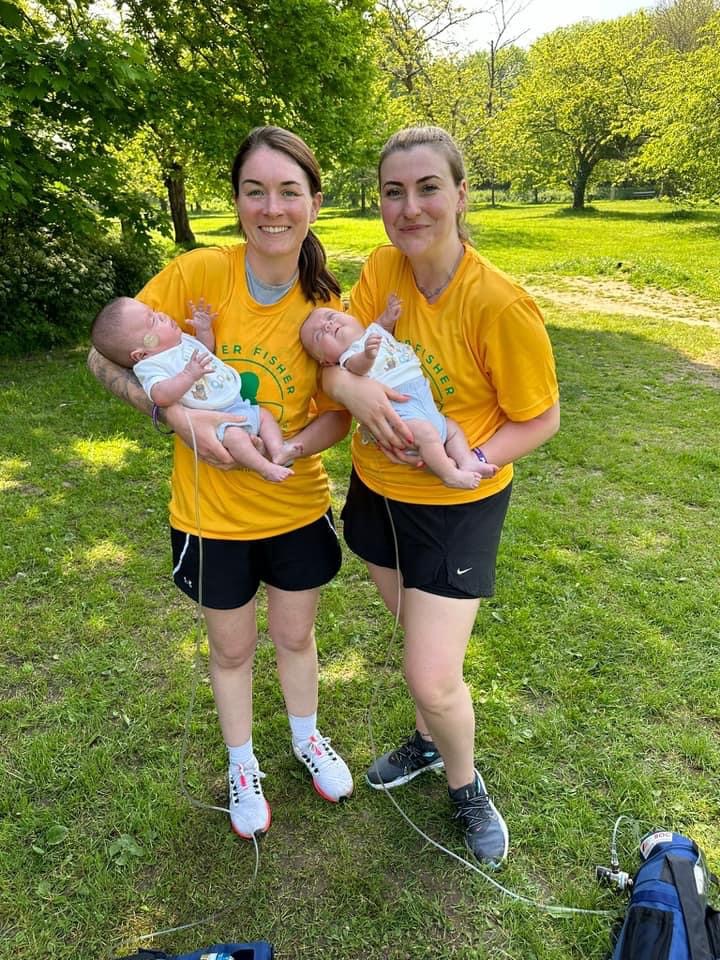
[440, 140]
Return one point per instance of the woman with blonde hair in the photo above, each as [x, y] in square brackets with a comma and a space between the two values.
[482, 343]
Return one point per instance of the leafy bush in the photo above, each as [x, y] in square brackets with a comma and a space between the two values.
[52, 285]
[133, 264]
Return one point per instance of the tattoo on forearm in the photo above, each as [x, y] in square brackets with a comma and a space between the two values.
[121, 382]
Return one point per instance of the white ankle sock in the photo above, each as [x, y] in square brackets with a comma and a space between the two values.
[242, 755]
[302, 728]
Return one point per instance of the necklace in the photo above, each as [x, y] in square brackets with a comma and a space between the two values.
[431, 294]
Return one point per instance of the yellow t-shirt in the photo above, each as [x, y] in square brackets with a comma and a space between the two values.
[263, 344]
[483, 347]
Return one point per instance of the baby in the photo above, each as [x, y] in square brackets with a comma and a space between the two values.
[332, 337]
[174, 367]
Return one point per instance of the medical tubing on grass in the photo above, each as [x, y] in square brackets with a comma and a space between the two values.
[193, 801]
[553, 909]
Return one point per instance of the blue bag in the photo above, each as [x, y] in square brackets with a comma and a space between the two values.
[668, 917]
[256, 950]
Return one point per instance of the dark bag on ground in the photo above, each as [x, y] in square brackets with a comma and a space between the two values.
[257, 950]
[668, 917]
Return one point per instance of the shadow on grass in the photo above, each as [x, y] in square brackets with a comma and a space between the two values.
[486, 239]
[337, 213]
[605, 533]
[650, 216]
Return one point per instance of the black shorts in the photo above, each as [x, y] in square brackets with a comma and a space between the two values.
[234, 569]
[446, 550]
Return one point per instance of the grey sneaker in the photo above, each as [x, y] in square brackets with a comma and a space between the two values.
[486, 833]
[405, 762]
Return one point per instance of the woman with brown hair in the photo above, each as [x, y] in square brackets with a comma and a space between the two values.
[252, 531]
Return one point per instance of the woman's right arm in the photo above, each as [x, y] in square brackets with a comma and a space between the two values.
[369, 402]
[125, 385]
[119, 381]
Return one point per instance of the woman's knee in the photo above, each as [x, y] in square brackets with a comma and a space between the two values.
[233, 655]
[436, 695]
[287, 639]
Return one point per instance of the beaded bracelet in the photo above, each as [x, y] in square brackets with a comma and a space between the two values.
[480, 455]
[156, 423]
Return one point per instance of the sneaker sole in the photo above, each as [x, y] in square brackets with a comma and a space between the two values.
[405, 777]
[327, 797]
[258, 833]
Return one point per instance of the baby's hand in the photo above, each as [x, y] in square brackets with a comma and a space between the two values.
[199, 364]
[372, 345]
[391, 314]
[393, 307]
[202, 315]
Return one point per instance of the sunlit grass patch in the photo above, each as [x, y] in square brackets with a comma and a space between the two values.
[593, 669]
[105, 453]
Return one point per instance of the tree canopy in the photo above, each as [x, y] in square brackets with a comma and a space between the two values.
[100, 114]
[578, 98]
[71, 93]
[683, 146]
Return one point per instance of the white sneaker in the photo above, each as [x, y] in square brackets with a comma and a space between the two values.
[329, 772]
[249, 810]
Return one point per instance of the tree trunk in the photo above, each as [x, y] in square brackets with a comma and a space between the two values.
[175, 183]
[362, 196]
[582, 175]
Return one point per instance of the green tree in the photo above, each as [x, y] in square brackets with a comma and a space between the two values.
[71, 92]
[681, 22]
[413, 33]
[224, 66]
[579, 99]
[430, 81]
[682, 148]
[74, 89]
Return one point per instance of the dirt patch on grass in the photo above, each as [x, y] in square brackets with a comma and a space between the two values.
[604, 295]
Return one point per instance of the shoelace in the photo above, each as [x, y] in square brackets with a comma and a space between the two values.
[475, 811]
[241, 775]
[409, 753]
[315, 746]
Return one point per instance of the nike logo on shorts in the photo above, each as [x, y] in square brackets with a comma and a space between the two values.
[461, 572]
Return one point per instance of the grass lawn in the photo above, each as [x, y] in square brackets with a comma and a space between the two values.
[642, 242]
[594, 669]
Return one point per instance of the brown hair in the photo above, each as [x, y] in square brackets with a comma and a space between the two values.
[316, 280]
[438, 139]
[107, 335]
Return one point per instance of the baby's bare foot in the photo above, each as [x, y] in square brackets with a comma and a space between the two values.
[462, 479]
[473, 465]
[288, 453]
[275, 473]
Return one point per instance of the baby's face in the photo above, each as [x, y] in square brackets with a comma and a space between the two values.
[327, 333]
[152, 330]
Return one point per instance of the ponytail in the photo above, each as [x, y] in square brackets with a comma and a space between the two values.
[317, 282]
